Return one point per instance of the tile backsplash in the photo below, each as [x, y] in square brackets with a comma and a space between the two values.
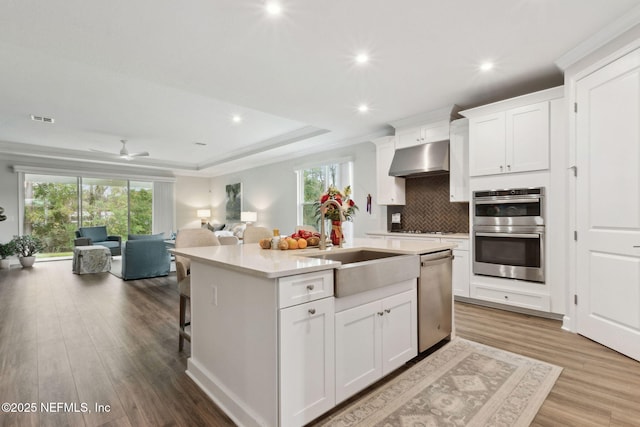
[428, 207]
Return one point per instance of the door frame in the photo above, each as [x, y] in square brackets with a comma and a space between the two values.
[611, 53]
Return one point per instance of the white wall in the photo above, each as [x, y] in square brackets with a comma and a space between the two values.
[8, 200]
[192, 193]
[271, 190]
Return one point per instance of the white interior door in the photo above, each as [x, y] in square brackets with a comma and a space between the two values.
[608, 205]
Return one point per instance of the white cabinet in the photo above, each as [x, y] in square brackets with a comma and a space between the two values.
[390, 189]
[461, 266]
[516, 140]
[511, 135]
[459, 161]
[408, 137]
[307, 375]
[503, 294]
[487, 145]
[373, 339]
[528, 138]
[460, 275]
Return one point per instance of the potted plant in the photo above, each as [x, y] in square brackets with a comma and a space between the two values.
[26, 248]
[6, 249]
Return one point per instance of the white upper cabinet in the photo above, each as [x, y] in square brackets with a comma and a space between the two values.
[407, 137]
[391, 190]
[512, 135]
[528, 138]
[459, 161]
[487, 144]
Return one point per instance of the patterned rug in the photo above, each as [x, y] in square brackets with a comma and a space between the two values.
[462, 384]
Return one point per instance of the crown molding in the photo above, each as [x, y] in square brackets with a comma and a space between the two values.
[446, 113]
[600, 38]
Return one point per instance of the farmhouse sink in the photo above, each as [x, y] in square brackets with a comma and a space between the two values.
[363, 270]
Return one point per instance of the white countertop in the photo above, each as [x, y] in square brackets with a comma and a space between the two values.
[419, 235]
[251, 259]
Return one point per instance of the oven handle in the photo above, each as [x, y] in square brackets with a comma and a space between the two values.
[512, 235]
[506, 201]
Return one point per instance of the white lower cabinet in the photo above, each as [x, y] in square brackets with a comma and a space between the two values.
[501, 294]
[307, 361]
[461, 267]
[374, 339]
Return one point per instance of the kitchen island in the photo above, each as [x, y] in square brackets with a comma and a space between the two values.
[272, 346]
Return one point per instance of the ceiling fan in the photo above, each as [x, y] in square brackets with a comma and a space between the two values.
[124, 153]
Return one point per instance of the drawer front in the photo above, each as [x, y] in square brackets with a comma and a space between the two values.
[463, 244]
[524, 300]
[303, 288]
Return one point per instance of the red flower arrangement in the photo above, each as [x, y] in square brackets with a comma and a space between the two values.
[347, 204]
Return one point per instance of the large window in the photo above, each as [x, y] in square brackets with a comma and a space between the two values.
[55, 206]
[314, 181]
[106, 202]
[51, 211]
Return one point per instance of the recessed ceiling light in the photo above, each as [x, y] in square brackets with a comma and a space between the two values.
[236, 119]
[362, 58]
[274, 8]
[363, 108]
[486, 66]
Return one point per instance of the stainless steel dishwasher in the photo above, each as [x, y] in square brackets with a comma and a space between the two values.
[434, 299]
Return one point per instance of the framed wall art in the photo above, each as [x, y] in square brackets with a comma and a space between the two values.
[233, 201]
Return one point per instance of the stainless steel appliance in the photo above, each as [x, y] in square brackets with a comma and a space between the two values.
[520, 206]
[434, 299]
[427, 159]
[508, 233]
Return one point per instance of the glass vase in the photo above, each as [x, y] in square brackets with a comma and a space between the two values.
[336, 232]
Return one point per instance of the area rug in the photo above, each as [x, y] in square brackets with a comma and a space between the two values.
[462, 384]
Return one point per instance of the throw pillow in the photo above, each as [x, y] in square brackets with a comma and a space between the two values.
[215, 227]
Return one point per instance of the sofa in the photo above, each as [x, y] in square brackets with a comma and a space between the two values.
[145, 256]
[89, 236]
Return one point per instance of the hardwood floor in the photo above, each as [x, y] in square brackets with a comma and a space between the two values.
[97, 339]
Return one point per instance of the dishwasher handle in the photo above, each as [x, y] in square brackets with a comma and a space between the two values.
[436, 261]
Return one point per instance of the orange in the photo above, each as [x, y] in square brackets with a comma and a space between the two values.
[293, 243]
[302, 243]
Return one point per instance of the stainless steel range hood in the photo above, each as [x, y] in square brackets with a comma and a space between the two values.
[427, 159]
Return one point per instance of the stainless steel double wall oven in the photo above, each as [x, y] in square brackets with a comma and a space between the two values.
[508, 233]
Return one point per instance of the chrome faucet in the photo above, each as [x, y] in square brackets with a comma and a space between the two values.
[323, 210]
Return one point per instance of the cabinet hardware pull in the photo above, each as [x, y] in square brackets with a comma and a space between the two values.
[310, 287]
[387, 310]
[501, 167]
[380, 313]
[312, 311]
[508, 167]
[636, 246]
[506, 297]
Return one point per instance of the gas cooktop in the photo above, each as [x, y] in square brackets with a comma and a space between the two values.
[422, 232]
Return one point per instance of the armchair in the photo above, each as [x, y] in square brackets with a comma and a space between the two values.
[89, 236]
[145, 256]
